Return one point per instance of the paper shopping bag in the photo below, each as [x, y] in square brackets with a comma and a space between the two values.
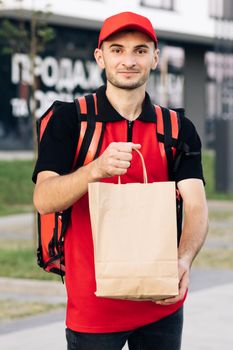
[135, 239]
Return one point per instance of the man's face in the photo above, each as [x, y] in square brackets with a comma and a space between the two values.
[127, 58]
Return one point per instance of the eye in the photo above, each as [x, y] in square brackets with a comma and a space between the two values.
[141, 51]
[116, 50]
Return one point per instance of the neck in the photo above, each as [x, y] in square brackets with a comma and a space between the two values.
[128, 103]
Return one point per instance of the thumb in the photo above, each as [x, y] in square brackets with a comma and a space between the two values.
[136, 146]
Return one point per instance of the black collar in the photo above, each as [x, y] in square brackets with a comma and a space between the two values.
[107, 113]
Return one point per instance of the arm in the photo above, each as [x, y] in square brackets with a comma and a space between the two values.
[195, 219]
[55, 192]
[194, 231]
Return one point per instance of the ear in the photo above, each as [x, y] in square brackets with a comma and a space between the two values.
[155, 59]
[98, 54]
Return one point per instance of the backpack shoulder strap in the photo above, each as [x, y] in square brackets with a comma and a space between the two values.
[91, 132]
[168, 125]
[44, 119]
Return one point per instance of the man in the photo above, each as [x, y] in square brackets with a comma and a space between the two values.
[127, 51]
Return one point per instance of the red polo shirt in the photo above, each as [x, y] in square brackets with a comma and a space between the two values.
[85, 311]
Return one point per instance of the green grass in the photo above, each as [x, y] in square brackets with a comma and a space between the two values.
[215, 215]
[16, 187]
[18, 260]
[208, 159]
[13, 309]
[220, 258]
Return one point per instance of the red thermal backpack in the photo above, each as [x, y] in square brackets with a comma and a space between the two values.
[52, 227]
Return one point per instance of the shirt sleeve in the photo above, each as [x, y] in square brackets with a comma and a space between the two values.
[189, 151]
[57, 147]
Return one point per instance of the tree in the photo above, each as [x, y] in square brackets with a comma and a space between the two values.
[30, 37]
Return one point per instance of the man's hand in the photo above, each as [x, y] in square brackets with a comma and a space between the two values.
[54, 192]
[115, 160]
[194, 231]
[183, 271]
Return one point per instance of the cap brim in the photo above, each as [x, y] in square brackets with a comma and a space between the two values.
[125, 27]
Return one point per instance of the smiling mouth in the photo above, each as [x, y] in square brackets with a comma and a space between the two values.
[128, 72]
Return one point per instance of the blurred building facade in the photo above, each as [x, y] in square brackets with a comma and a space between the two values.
[189, 75]
[220, 94]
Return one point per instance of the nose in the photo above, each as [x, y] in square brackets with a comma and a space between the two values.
[129, 61]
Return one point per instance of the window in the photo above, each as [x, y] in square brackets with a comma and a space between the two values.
[166, 83]
[160, 4]
[221, 9]
[219, 85]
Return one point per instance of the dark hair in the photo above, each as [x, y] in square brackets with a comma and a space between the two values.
[125, 31]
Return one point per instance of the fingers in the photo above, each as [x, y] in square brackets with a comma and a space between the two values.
[183, 286]
[124, 156]
[118, 167]
[116, 159]
[123, 164]
[127, 147]
[173, 300]
[119, 155]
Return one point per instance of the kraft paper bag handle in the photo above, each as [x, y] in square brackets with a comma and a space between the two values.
[145, 180]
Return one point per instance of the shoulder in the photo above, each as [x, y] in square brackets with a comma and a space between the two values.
[187, 132]
[64, 111]
[188, 156]
[64, 119]
[57, 147]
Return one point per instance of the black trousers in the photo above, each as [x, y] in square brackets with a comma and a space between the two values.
[164, 334]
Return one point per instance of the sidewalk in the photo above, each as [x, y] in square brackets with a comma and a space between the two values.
[209, 319]
[19, 155]
[32, 290]
[208, 325]
[17, 226]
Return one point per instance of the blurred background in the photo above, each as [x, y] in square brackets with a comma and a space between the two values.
[46, 54]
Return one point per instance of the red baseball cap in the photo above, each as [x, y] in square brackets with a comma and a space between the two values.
[126, 20]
